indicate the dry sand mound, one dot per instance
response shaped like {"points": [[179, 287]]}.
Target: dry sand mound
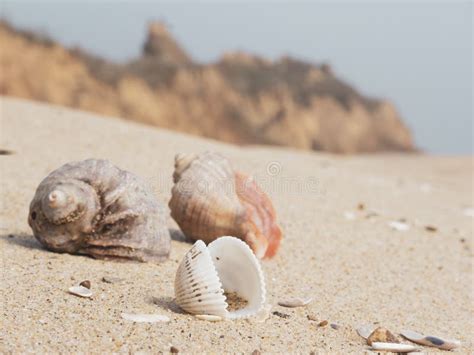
{"points": [[358, 270]]}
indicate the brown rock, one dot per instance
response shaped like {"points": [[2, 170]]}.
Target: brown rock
{"points": [[381, 335]]}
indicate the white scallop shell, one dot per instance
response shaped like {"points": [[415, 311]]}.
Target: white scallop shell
{"points": [[226, 264]]}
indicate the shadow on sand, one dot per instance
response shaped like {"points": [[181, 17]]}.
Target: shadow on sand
{"points": [[179, 236], [24, 240], [166, 303]]}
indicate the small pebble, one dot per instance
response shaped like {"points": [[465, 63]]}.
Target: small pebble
{"points": [[334, 326], [111, 279], [86, 284], [323, 323], [282, 315], [174, 350], [371, 214], [256, 352], [312, 317], [360, 206], [431, 228]]}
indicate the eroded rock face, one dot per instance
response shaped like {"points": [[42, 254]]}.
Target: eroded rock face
{"points": [[241, 99]]}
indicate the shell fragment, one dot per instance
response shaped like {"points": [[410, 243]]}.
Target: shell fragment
{"points": [[365, 331], [295, 302], [208, 317], [399, 226], [394, 347], [145, 318], [430, 340], [80, 291]]}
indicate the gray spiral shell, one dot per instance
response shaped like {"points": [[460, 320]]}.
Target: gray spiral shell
{"points": [[92, 207]]}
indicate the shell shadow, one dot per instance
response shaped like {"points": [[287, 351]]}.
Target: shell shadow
{"points": [[166, 303], [24, 240], [6, 152], [178, 236]]}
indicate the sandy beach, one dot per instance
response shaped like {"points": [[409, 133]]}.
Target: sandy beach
{"points": [[338, 247]]}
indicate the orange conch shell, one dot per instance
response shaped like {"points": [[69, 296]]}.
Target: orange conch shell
{"points": [[210, 199]]}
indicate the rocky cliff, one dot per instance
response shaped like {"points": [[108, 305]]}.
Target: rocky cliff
{"points": [[242, 99]]}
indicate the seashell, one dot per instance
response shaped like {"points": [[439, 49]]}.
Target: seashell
{"points": [[394, 347], [80, 291], [430, 340], [225, 265], [145, 318], [399, 226], [209, 318], [92, 207], [210, 199], [365, 330], [295, 302], [381, 335]]}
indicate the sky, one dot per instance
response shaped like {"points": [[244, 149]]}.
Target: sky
{"points": [[417, 54]]}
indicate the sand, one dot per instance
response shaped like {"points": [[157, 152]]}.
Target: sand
{"points": [[357, 269]]}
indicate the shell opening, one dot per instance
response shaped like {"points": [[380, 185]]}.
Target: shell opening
{"points": [[226, 267], [240, 274]]}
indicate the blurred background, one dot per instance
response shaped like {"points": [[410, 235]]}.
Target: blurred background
{"points": [[344, 77]]}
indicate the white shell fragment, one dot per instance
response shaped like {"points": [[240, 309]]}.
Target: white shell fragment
{"points": [[350, 216], [468, 212], [399, 226], [225, 265], [365, 330], [430, 340], [208, 317], [295, 302], [80, 291], [394, 347], [145, 318]]}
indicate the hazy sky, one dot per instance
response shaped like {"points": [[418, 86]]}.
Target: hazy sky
{"points": [[416, 54]]}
